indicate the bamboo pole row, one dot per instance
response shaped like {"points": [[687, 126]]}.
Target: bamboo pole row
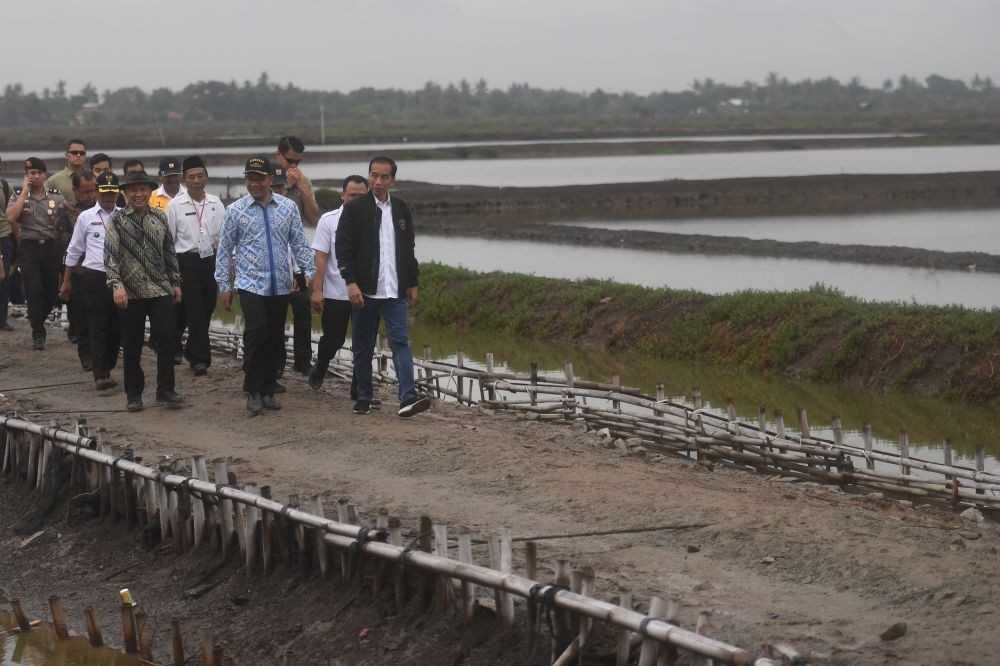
{"points": [[244, 522]]}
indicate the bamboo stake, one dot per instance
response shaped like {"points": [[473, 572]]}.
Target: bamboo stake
{"points": [[468, 589], [128, 629], [177, 643], [225, 507], [506, 567], [145, 639], [58, 618], [93, 627], [322, 554], [624, 646], [650, 648], [23, 623], [267, 535], [207, 651], [445, 592]]}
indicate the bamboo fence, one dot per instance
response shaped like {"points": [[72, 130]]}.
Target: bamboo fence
{"points": [[196, 511]]}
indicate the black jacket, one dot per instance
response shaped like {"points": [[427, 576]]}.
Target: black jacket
{"points": [[357, 244]]}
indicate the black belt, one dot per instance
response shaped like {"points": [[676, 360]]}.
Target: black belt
{"points": [[93, 270], [41, 241]]}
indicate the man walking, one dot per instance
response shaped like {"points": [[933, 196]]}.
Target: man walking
{"points": [[86, 251], [298, 300], [61, 181], [142, 272], [84, 198], [329, 293], [195, 220], [170, 186], [259, 228], [374, 249], [33, 219]]}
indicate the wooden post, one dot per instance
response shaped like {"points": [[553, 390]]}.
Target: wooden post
{"points": [[115, 475], [493, 545], [444, 588], [507, 567], [207, 649], [838, 430], [322, 552], [661, 393], [804, 424], [946, 445], [151, 495], [177, 642], [267, 535], [616, 381], [460, 359], [530, 560], [624, 646], [398, 580], [225, 507], [762, 421], [904, 452], [378, 580], [534, 382], [145, 638], [174, 518], [587, 590], [779, 424], [291, 659], [93, 627], [491, 391], [866, 434], [58, 618], [560, 619], [570, 382], [23, 623], [980, 465], [197, 507], [468, 589], [128, 629], [426, 581], [696, 397], [162, 501], [343, 516], [34, 445], [650, 648]]}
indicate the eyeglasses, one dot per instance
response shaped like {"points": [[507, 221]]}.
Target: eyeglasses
{"points": [[290, 161], [78, 153]]}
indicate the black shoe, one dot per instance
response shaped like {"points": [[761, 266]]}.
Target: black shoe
{"points": [[414, 405], [270, 402], [105, 383], [254, 404], [178, 359], [280, 388], [200, 369], [134, 404], [38, 344], [316, 379], [169, 398], [6, 327], [362, 407]]}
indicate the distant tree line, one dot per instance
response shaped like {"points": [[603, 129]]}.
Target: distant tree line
{"points": [[264, 101]]}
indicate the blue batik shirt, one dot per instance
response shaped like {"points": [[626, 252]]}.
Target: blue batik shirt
{"points": [[255, 240]]}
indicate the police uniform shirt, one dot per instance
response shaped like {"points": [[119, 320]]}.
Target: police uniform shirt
{"points": [[5, 229], [88, 239], [38, 218], [186, 219]]}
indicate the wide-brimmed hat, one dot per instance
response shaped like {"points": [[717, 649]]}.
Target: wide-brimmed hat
{"points": [[139, 178]]}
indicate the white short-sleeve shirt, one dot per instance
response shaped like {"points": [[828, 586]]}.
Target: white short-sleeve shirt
{"points": [[334, 286]]}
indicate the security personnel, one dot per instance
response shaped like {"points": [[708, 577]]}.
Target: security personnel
{"points": [[298, 300], [76, 158], [86, 254], [32, 217], [85, 197]]}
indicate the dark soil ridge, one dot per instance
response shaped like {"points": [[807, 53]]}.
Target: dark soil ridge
{"points": [[840, 193], [712, 245]]}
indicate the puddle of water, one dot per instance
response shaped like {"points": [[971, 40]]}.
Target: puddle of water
{"points": [[40, 647]]}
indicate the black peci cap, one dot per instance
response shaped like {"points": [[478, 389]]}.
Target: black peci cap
{"points": [[193, 162], [258, 164], [170, 166], [34, 163]]}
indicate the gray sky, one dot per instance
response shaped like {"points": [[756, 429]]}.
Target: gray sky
{"points": [[637, 45]]}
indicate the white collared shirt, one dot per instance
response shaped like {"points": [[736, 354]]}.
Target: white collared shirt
{"points": [[184, 224], [88, 239], [334, 286], [162, 192], [388, 281]]}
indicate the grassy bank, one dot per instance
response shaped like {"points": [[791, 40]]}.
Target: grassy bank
{"points": [[818, 334]]}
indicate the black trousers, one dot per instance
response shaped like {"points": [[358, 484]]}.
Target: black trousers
{"points": [[104, 321], [161, 330], [8, 248], [336, 317], [263, 340], [76, 310], [39, 264], [301, 330], [200, 293]]}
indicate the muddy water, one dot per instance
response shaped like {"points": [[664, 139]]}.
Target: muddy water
{"points": [[42, 648]]}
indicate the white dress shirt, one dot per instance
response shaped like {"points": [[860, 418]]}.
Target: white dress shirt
{"points": [[388, 281], [88, 239], [186, 219], [334, 286]]}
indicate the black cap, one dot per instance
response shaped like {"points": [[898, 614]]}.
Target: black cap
{"points": [[193, 162], [170, 166], [34, 163], [258, 164], [279, 175], [107, 182], [139, 178]]}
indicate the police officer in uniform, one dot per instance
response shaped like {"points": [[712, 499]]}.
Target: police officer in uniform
{"points": [[32, 217]]}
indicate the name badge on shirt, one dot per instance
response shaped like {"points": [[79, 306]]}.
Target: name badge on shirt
{"points": [[205, 248]]}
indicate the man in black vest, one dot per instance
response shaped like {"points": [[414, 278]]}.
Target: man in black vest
{"points": [[374, 248]]}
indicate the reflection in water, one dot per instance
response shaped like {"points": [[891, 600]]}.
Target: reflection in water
{"points": [[715, 274], [545, 172], [946, 230], [40, 647]]}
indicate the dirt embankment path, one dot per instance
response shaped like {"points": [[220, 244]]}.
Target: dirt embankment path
{"points": [[825, 571]]}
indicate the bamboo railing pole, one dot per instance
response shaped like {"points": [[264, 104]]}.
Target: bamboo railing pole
{"points": [[58, 618], [93, 627]]}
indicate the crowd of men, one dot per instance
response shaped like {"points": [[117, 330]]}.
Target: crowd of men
{"points": [[119, 251]]}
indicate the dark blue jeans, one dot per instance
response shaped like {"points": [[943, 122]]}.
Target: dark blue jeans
{"points": [[365, 323]]}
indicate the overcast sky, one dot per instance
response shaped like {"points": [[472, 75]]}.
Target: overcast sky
{"points": [[637, 45]]}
